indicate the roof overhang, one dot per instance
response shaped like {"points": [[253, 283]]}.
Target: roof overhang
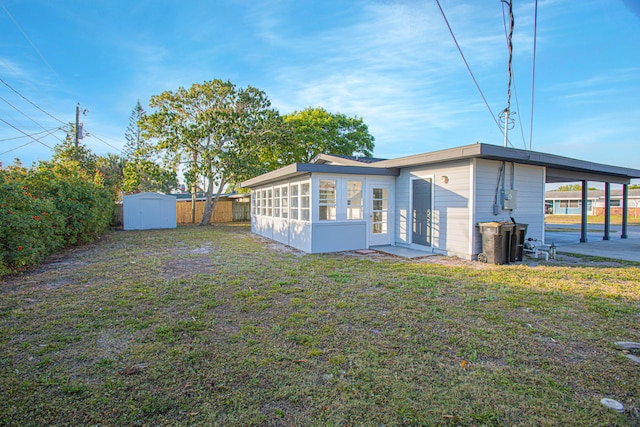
{"points": [[558, 168], [299, 169]]}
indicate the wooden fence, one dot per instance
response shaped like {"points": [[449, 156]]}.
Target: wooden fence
{"points": [[225, 211]]}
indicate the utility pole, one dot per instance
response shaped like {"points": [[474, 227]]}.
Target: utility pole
{"points": [[78, 131]]}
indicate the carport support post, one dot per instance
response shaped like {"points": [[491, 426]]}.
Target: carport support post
{"points": [[607, 210], [583, 222], [625, 209]]}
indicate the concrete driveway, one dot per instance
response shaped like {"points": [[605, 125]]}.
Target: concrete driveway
{"points": [[567, 239]]}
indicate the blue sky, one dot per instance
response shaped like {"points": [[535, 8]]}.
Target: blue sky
{"points": [[391, 62]]}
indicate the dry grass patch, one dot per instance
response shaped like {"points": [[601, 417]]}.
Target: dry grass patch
{"points": [[215, 326]]}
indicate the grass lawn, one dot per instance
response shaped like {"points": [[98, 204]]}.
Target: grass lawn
{"points": [[215, 326]]}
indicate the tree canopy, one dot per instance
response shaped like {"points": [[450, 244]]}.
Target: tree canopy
{"points": [[142, 171], [314, 131], [217, 131], [573, 187]]}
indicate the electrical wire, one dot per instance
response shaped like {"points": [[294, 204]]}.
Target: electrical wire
{"points": [[31, 142], [468, 67], [533, 71], [14, 149], [30, 102], [29, 40], [103, 141], [26, 115], [515, 88], [30, 135], [23, 132]]}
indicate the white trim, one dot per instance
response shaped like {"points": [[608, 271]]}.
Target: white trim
{"points": [[473, 168]]}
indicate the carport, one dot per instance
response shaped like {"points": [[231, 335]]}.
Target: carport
{"points": [[585, 172]]}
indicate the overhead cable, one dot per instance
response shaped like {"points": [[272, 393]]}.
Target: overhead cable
{"points": [[23, 132], [29, 40], [468, 67], [49, 131], [29, 101], [533, 71], [103, 141], [515, 88], [25, 114], [30, 142]]}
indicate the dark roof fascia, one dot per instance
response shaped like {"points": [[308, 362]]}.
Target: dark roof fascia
{"points": [[494, 152], [297, 169], [345, 160]]}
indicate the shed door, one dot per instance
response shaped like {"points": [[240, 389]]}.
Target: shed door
{"points": [[380, 212], [421, 212]]}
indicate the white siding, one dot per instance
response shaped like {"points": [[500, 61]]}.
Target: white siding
{"points": [[451, 210], [292, 232], [316, 236], [528, 181]]}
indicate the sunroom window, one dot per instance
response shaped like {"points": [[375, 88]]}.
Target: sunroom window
{"points": [[305, 202], [285, 202], [276, 202], [354, 200], [295, 203], [327, 200]]}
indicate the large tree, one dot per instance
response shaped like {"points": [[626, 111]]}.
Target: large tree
{"points": [[314, 131], [133, 133], [142, 171], [217, 131]]}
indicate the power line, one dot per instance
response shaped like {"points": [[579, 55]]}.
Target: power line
{"points": [[29, 101], [468, 67], [23, 132], [29, 40], [515, 88], [533, 72], [14, 149], [30, 135], [24, 114], [30, 142], [103, 141]]}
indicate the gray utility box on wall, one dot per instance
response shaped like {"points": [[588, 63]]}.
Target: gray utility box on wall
{"points": [[510, 199]]}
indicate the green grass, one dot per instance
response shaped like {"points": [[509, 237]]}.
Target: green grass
{"points": [[215, 326]]}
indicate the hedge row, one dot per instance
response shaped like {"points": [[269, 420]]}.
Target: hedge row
{"points": [[46, 208]]}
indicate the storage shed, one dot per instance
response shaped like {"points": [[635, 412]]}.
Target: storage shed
{"points": [[145, 211]]}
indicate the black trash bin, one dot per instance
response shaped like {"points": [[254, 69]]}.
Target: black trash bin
{"points": [[496, 242], [517, 242]]}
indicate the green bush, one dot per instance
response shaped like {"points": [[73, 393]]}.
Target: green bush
{"points": [[46, 208]]}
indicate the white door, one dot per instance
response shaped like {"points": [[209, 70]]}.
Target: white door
{"points": [[379, 215]]}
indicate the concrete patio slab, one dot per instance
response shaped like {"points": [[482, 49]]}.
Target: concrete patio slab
{"points": [[402, 251]]}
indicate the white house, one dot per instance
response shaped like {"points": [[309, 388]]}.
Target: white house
{"points": [[430, 202], [145, 211]]}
